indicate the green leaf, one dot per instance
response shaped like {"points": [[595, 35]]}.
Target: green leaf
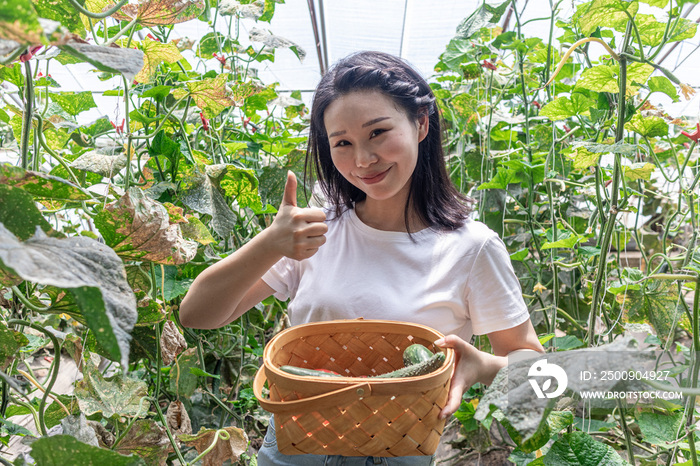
{"points": [[239, 183], [74, 103], [195, 230], [586, 154], [63, 12], [567, 342], [148, 440], [600, 78], [200, 193], [519, 255], [568, 240], [655, 303], [139, 228], [182, 381], [13, 74], [638, 171], [209, 94], [580, 449], [175, 285], [504, 177], [155, 53], [649, 126], [114, 396], [604, 13], [563, 107], [663, 84], [91, 271], [482, 17], [660, 428], [19, 214], [200, 373], [40, 184], [20, 22], [10, 343], [60, 450]]}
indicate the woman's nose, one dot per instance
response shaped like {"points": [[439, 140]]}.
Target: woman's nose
{"points": [[364, 157]]}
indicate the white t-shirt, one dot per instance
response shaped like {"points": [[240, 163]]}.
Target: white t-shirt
{"points": [[459, 282]]}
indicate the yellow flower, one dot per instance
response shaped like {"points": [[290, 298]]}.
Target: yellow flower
{"points": [[539, 288]]}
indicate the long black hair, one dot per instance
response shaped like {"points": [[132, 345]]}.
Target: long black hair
{"points": [[432, 195]]}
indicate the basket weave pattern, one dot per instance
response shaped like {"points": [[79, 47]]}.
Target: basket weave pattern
{"points": [[354, 416]]}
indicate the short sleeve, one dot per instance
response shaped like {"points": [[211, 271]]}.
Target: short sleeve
{"points": [[283, 277], [493, 292]]}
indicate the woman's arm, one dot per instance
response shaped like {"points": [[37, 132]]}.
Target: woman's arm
{"points": [[229, 288], [473, 365]]}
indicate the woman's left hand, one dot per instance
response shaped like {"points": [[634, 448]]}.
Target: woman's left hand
{"points": [[470, 367]]}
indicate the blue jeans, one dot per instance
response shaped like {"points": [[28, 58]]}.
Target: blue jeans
{"points": [[269, 455]]}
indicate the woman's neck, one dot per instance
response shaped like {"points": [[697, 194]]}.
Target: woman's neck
{"points": [[386, 217]]}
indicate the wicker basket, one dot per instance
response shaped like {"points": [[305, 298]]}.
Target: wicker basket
{"points": [[353, 416]]}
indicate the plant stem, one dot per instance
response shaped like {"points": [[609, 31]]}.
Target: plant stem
{"points": [[105, 14], [27, 115]]}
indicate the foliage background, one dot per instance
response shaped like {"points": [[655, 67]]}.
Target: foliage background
{"points": [[106, 224]]}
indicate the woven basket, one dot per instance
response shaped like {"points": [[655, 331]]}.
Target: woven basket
{"points": [[353, 416]]}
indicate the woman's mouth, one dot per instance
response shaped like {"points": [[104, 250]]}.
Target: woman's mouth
{"points": [[373, 178]]}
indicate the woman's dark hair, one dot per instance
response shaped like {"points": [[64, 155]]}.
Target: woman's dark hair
{"points": [[432, 194]]}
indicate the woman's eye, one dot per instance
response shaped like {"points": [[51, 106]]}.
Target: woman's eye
{"points": [[342, 143], [377, 132]]}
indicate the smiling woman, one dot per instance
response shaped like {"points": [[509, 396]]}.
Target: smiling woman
{"points": [[395, 241]]}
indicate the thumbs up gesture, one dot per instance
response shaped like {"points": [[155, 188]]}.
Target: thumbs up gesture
{"points": [[298, 232]]}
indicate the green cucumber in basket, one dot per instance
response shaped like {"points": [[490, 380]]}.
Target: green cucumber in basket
{"points": [[307, 372], [422, 368], [416, 353]]}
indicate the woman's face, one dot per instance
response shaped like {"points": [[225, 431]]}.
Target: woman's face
{"points": [[373, 143]]}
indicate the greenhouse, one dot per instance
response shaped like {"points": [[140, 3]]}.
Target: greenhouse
{"points": [[257, 232]]}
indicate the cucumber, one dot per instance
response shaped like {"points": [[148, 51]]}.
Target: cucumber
{"points": [[416, 353], [422, 368], [307, 372]]}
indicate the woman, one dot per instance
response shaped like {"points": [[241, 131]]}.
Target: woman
{"points": [[394, 243]]}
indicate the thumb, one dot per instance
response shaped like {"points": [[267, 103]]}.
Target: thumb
{"points": [[290, 190]]}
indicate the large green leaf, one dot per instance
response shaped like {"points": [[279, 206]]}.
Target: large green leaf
{"points": [[182, 381], [90, 271], [580, 449], [139, 228], [63, 12], [638, 171], [239, 183], [600, 78], [200, 193], [40, 184], [651, 31], [663, 84], [484, 16], [19, 214], [604, 13], [74, 103], [111, 396], [565, 107], [649, 126], [20, 22], [155, 53], [660, 428], [61, 450], [656, 303], [10, 343], [209, 94]]}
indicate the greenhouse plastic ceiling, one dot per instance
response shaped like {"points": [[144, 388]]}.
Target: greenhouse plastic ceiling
{"points": [[416, 30]]}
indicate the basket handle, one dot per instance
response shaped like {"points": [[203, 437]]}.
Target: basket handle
{"points": [[340, 397]]}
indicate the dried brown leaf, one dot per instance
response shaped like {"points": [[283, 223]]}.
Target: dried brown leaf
{"points": [[172, 342], [160, 12], [148, 440], [178, 419], [224, 450]]}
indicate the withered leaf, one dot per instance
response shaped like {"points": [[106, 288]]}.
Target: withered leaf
{"points": [[178, 419], [105, 165], [274, 42], [223, 450], [112, 396], [40, 184], [148, 440], [111, 59], [160, 12], [76, 426], [172, 342], [139, 228], [89, 270]]}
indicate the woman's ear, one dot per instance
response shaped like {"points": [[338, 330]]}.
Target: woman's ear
{"points": [[423, 125]]}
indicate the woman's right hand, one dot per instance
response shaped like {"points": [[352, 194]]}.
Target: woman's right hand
{"points": [[297, 232]]}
